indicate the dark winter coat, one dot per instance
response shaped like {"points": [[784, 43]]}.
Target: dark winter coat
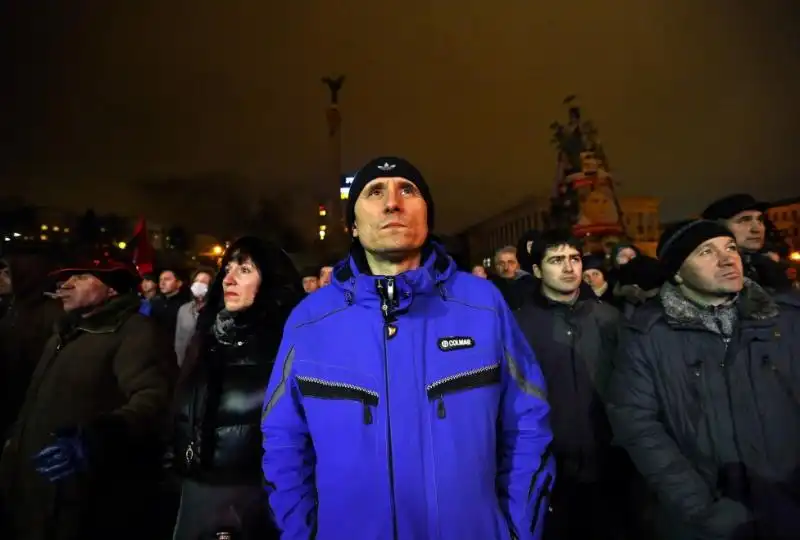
{"points": [[575, 346], [217, 437], [713, 422], [24, 329], [164, 311], [108, 374]]}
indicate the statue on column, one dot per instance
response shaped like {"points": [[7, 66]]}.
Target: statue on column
{"points": [[334, 118], [334, 85]]}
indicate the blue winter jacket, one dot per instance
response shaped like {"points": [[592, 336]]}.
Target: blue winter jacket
{"points": [[406, 408]]}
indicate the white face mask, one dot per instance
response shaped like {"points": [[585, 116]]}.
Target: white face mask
{"points": [[199, 289]]}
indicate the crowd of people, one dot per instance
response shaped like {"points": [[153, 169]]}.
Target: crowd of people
{"points": [[559, 394]]}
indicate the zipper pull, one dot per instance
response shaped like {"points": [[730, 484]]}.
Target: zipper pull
{"points": [[367, 414], [440, 410], [189, 454], [390, 289]]}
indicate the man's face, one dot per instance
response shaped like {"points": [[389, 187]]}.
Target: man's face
{"points": [[714, 268], [168, 283], [325, 274], [507, 264], [5, 281], [391, 217], [594, 278], [561, 269], [625, 255], [149, 288], [748, 228], [82, 291], [310, 283], [479, 271]]}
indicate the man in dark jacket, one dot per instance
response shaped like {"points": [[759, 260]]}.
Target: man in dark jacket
{"points": [[24, 328], [83, 457], [744, 216], [172, 295], [574, 336], [705, 394]]}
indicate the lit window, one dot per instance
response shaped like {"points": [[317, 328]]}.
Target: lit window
{"points": [[56, 228], [44, 227], [43, 237]]}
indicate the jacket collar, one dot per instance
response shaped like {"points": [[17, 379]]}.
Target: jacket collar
{"points": [[354, 278], [753, 304], [585, 296], [110, 316]]}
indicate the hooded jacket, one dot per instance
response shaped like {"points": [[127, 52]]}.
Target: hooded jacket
{"points": [[406, 407]]}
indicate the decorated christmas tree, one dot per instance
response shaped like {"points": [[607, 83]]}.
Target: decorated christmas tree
{"points": [[584, 199]]}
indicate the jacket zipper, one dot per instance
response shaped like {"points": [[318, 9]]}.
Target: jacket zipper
{"points": [[314, 387], [386, 292], [467, 380]]}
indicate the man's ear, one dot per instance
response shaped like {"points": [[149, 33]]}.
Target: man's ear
{"points": [[537, 271], [355, 231], [678, 279]]}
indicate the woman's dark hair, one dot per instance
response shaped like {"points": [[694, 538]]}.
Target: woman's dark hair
{"points": [[203, 270], [279, 292]]}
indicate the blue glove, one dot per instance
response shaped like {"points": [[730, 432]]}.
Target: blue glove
{"points": [[63, 458]]}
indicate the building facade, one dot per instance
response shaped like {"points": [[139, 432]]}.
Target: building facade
{"points": [[640, 216], [785, 214]]}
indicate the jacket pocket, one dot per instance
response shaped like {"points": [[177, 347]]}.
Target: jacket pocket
{"points": [[459, 382], [783, 381], [312, 387]]}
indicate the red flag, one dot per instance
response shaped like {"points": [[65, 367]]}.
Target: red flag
{"points": [[143, 253]]}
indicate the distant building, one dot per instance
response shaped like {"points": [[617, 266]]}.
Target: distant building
{"points": [[785, 214], [640, 217]]}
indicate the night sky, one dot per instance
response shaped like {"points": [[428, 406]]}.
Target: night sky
{"points": [[693, 98]]}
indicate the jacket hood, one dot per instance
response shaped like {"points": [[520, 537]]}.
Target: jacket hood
{"points": [[353, 277], [281, 285]]}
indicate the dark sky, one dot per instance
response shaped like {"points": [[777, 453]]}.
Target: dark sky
{"points": [[692, 97]]}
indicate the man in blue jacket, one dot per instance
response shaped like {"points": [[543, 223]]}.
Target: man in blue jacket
{"points": [[405, 404]]}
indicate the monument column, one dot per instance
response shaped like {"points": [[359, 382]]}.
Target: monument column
{"points": [[339, 237]]}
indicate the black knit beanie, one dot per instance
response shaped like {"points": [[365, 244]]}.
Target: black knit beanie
{"points": [[386, 167], [679, 240]]}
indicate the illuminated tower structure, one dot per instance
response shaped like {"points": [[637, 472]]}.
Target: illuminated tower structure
{"points": [[332, 230], [584, 199]]}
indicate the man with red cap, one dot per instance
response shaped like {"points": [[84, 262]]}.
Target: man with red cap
{"points": [[83, 457]]}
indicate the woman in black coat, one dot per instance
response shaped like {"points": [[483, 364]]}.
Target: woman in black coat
{"points": [[217, 437]]}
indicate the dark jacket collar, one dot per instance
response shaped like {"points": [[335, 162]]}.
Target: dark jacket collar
{"points": [[753, 304], [110, 316], [585, 296]]}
